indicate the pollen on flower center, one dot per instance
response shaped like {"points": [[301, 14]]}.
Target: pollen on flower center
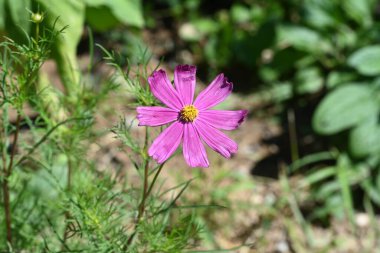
{"points": [[188, 113]]}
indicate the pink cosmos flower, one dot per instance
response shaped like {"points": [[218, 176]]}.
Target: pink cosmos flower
{"points": [[192, 121]]}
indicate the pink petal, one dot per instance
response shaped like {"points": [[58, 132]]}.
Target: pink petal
{"points": [[166, 143], [164, 91], [193, 149], [216, 92], [155, 115], [217, 140], [226, 120], [184, 80]]}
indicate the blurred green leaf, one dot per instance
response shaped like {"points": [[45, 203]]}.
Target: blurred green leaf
{"points": [[206, 25], [318, 176], [343, 168], [346, 37], [128, 12], [372, 191], [343, 108], [319, 13], [365, 139], [359, 10], [336, 78], [302, 38], [18, 12], [366, 60], [2, 14], [108, 19], [240, 13], [67, 14], [310, 159], [16, 19], [308, 80]]}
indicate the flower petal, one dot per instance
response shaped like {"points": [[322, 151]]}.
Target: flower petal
{"points": [[167, 142], [163, 90], [216, 139], [155, 115], [226, 120], [216, 92], [193, 148], [184, 80]]}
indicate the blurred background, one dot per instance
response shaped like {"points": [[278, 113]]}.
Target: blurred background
{"points": [[307, 174]]}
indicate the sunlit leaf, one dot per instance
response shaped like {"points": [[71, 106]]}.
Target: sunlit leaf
{"points": [[302, 38], [128, 12], [343, 108], [366, 60], [360, 11], [365, 139]]}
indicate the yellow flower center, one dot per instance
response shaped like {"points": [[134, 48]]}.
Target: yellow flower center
{"points": [[188, 113]]}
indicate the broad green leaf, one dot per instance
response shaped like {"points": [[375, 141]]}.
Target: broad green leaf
{"points": [[359, 10], [302, 38], [108, 19], [366, 60], [318, 15], [128, 12], [19, 13], [16, 18], [365, 139], [343, 108]]}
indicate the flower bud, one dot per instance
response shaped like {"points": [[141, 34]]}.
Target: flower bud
{"points": [[37, 18]]}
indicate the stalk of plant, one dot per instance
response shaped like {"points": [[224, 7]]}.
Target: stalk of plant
{"points": [[147, 188], [7, 173]]}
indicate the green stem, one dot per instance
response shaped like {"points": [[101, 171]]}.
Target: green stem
{"points": [[145, 191], [155, 178], [37, 32], [147, 188], [7, 174]]}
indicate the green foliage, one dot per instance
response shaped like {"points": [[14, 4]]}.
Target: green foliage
{"points": [[364, 139], [345, 107], [112, 13], [365, 60], [68, 13]]}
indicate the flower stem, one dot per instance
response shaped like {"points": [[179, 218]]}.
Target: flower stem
{"points": [[7, 174], [155, 178], [147, 189]]}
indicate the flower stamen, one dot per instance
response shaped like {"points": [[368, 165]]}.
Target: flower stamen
{"points": [[188, 113]]}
